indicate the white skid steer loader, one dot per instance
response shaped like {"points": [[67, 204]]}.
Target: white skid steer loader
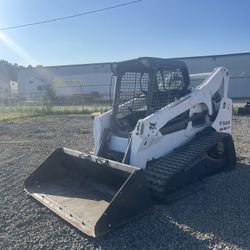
{"points": [[160, 138]]}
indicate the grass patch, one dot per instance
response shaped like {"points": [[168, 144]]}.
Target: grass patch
{"points": [[27, 111], [67, 110], [12, 116], [22, 112], [235, 110]]}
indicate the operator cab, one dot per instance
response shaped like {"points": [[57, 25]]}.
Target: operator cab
{"points": [[143, 86]]}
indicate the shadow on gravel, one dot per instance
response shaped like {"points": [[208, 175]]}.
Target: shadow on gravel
{"points": [[217, 215], [154, 231]]}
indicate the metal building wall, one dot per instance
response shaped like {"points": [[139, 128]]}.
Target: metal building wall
{"points": [[69, 80], [87, 78], [237, 64]]}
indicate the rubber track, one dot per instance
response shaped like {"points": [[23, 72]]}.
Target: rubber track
{"points": [[159, 171]]}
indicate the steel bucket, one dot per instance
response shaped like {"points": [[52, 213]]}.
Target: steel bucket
{"points": [[92, 193]]}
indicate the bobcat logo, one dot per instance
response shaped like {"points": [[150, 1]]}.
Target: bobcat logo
{"points": [[152, 125]]}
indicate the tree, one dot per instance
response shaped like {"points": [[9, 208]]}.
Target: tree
{"points": [[49, 98], [8, 71]]}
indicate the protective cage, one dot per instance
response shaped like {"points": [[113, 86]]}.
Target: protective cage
{"points": [[93, 194], [144, 86]]}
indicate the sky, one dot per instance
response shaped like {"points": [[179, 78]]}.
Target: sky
{"points": [[159, 28]]}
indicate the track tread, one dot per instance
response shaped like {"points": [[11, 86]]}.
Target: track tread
{"points": [[158, 172]]}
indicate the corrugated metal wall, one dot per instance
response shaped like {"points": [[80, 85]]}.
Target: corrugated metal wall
{"points": [[68, 80], [87, 78], [237, 64]]}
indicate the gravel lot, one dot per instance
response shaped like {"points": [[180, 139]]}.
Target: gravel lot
{"points": [[216, 216]]}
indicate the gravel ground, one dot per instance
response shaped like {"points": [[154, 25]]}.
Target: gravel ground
{"points": [[215, 216]]}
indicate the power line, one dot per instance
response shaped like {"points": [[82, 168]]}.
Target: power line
{"points": [[71, 16]]}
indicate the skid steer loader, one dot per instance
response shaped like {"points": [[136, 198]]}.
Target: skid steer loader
{"points": [[160, 138]]}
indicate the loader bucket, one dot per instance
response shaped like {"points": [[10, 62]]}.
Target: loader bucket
{"points": [[92, 193]]}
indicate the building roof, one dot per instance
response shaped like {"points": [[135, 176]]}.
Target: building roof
{"points": [[109, 63], [220, 55]]}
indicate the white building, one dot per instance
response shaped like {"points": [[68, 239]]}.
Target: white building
{"points": [[70, 80], [237, 64]]}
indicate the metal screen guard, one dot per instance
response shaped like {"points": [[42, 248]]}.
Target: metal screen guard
{"points": [[93, 194]]}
